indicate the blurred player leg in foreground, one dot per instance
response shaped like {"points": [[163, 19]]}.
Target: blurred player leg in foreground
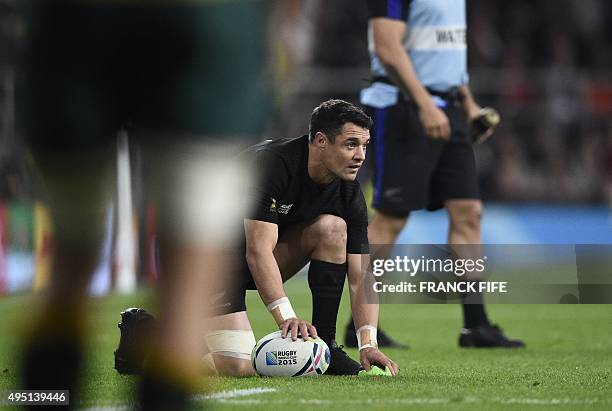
{"points": [[176, 72], [198, 195]]}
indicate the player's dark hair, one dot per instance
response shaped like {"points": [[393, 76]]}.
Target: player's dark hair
{"points": [[331, 115]]}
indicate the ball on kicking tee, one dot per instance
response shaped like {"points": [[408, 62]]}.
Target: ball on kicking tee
{"points": [[274, 356]]}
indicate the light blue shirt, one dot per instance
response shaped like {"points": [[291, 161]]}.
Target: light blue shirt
{"points": [[435, 40]]}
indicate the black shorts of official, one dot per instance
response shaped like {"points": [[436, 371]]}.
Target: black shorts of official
{"points": [[412, 171]]}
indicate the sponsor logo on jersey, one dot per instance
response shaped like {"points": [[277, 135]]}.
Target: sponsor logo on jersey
{"points": [[284, 208]]}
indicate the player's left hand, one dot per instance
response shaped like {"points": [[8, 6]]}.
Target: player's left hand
{"points": [[372, 356]]}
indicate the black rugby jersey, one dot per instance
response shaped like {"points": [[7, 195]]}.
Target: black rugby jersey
{"points": [[286, 195]]}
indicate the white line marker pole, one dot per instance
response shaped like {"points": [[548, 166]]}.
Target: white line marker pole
{"points": [[125, 248]]}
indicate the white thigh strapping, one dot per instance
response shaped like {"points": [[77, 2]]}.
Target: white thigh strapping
{"points": [[231, 343]]}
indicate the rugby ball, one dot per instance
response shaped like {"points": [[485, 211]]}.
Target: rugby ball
{"points": [[275, 356]]}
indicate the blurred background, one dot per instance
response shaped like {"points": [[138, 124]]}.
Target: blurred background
{"points": [[546, 175]]}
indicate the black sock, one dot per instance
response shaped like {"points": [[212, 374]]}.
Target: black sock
{"points": [[474, 314], [326, 282]]}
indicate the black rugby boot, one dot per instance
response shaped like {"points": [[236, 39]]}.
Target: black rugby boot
{"points": [[340, 363], [487, 336], [136, 329]]}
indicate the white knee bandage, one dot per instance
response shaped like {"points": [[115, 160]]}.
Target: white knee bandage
{"points": [[231, 343]]}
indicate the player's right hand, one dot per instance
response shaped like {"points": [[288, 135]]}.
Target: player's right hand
{"points": [[434, 122], [293, 325]]}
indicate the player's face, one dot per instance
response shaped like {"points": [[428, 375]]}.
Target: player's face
{"points": [[347, 154]]}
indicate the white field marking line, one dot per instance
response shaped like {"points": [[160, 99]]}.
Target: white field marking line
{"points": [[233, 397], [403, 401], [222, 395], [417, 401], [218, 396], [554, 401]]}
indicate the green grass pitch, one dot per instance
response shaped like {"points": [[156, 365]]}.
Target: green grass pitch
{"points": [[567, 364]]}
